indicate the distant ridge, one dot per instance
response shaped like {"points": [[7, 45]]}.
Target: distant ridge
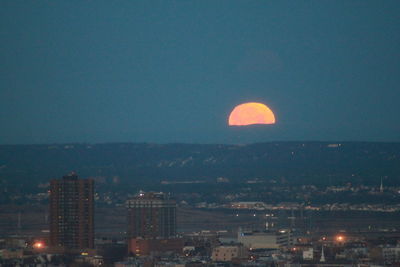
{"points": [[26, 166]]}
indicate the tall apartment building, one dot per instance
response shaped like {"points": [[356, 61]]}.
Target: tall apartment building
{"points": [[72, 212], [151, 215]]}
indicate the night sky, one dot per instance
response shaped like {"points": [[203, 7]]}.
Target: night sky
{"points": [[171, 71]]}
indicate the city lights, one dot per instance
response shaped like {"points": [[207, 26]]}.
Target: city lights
{"points": [[340, 238], [38, 245]]}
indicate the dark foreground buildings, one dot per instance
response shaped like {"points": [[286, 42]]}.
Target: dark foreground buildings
{"points": [[72, 213]]}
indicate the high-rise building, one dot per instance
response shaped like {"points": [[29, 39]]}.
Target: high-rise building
{"points": [[71, 212], [151, 215]]}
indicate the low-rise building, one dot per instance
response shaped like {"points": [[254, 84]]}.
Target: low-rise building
{"points": [[227, 253], [142, 247], [257, 240], [308, 254], [391, 254], [266, 239]]}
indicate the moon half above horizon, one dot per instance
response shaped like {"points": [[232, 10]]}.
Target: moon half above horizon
{"points": [[251, 113]]}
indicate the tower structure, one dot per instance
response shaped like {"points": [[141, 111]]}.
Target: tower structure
{"points": [[322, 259], [151, 215], [72, 212]]}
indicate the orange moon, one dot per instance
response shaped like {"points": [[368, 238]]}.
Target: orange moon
{"points": [[251, 113]]}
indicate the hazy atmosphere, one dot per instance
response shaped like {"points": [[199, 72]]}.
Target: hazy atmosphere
{"points": [[172, 71]]}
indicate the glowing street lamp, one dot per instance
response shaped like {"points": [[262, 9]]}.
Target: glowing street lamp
{"points": [[339, 238], [38, 245]]}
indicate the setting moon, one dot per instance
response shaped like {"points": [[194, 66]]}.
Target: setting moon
{"points": [[251, 113]]}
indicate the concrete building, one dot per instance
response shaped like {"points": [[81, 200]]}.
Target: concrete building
{"points": [[227, 253], [285, 238], [72, 212], [152, 224], [266, 239], [145, 247], [308, 254], [151, 215], [258, 240], [391, 254]]}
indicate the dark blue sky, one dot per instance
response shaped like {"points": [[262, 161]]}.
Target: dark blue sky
{"points": [[171, 71]]}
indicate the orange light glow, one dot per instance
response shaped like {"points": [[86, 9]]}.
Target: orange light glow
{"points": [[340, 238], [251, 113], [38, 245]]}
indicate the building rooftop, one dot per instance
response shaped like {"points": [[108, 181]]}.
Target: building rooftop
{"points": [[71, 176]]}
